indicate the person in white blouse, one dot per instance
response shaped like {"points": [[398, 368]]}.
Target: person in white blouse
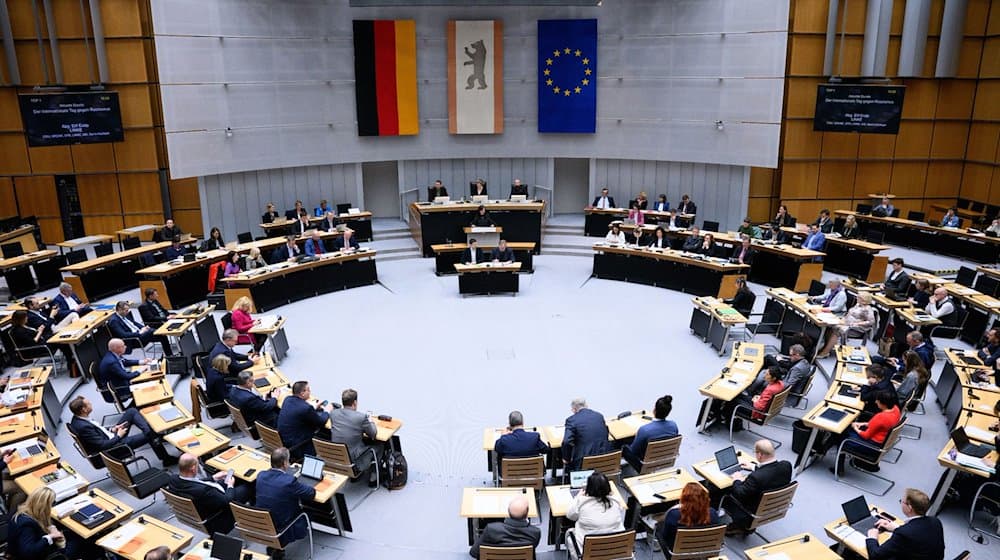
{"points": [[595, 510], [660, 240], [941, 306], [615, 236], [994, 227]]}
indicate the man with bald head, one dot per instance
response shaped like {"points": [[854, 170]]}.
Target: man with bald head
{"points": [[114, 369], [942, 307], [770, 474], [513, 531], [210, 494]]}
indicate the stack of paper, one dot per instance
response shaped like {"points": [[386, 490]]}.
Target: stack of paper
{"points": [[71, 506], [122, 536], [66, 487], [979, 433]]}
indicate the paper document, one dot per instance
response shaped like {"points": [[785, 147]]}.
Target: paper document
{"points": [[66, 487], [487, 502], [979, 433], [123, 535], [973, 462], [71, 506], [267, 320], [634, 421]]}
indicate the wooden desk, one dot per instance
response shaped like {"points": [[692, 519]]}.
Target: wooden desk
{"points": [[180, 282], [83, 241], [560, 498], [119, 510], [275, 380], [447, 255], [712, 319], [203, 551], [29, 377], [709, 469], [745, 362], [101, 277], [667, 483], [142, 534], [359, 222], [432, 224], [19, 466], [22, 425], [951, 468], [624, 429], [147, 393], [18, 272], [666, 268], [847, 537], [849, 354], [32, 403], [856, 258], [25, 235], [137, 231], [791, 311], [156, 422], [950, 241], [32, 481], [598, 220], [813, 420], [241, 460], [481, 505], [385, 429], [198, 440], [488, 278], [804, 546], [276, 339]]}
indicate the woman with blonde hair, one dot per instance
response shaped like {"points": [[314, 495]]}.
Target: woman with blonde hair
{"points": [[243, 322], [254, 260], [858, 323], [32, 534], [692, 511]]}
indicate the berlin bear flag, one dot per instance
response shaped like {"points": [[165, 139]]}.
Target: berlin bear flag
{"points": [[475, 77], [567, 75]]}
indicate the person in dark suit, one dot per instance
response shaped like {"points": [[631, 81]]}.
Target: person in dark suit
{"points": [[238, 362], [26, 337], [659, 428], [878, 382], [516, 188], [211, 494], [516, 442], [175, 250], [296, 212], [96, 438], [604, 200], [314, 245], [437, 190], [586, 434], [747, 490], [897, 279], [502, 253], [513, 531], [169, 231], [113, 370], [824, 222], [708, 246], [346, 242], [251, 405], [44, 316], [151, 310], [329, 223], [270, 214], [300, 226], [478, 188], [744, 299], [687, 206], [920, 538], [122, 325], [286, 252], [279, 492], [744, 252], [214, 241], [482, 218], [472, 255], [216, 387], [660, 240], [357, 431], [851, 229], [693, 243], [68, 302], [299, 421]]}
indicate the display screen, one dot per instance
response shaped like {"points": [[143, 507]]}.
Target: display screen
{"points": [[55, 119], [858, 108]]}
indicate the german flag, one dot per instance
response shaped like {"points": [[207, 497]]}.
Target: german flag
{"points": [[385, 77]]}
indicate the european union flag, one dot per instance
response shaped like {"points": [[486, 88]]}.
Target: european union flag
{"points": [[567, 75]]}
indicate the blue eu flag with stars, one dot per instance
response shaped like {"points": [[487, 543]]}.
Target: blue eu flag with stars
{"points": [[567, 75]]}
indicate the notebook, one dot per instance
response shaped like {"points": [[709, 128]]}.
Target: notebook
{"points": [[578, 480], [169, 413], [833, 415]]}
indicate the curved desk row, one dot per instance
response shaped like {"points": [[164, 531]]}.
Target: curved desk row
{"points": [[918, 235], [669, 269]]}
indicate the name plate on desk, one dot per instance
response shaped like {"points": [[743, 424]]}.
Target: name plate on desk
{"points": [[482, 229]]}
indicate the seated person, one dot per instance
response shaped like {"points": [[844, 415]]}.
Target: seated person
{"points": [[238, 362], [322, 209], [27, 337], [502, 253], [642, 200], [884, 208], [243, 322], [517, 188], [865, 439], [748, 489], [693, 242], [123, 325], [640, 239], [687, 206], [329, 222], [45, 317], [438, 189], [314, 245], [595, 511], [13, 496], [942, 307], [922, 296], [254, 259], [301, 226], [296, 212], [232, 264], [693, 510], [782, 218], [279, 492], [175, 250], [660, 240], [95, 438], [33, 534], [794, 370], [708, 246], [994, 227], [914, 341], [757, 401], [744, 298], [661, 204], [299, 420], [659, 428], [604, 201], [920, 537], [482, 218], [747, 228], [516, 442], [635, 214], [915, 380], [834, 299], [478, 188], [346, 242], [744, 252], [859, 322], [214, 241], [473, 254], [169, 231], [898, 280], [151, 310], [216, 388], [878, 382], [513, 531], [850, 229], [287, 252], [211, 494], [672, 221], [270, 214], [112, 370], [615, 236], [824, 222], [990, 351], [68, 302], [161, 552], [254, 407], [950, 219], [816, 240], [357, 431]]}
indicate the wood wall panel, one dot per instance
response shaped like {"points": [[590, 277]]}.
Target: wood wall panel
{"points": [[77, 68], [801, 140], [799, 179], [189, 221], [991, 64], [140, 193], [14, 154], [51, 159], [137, 152], [872, 177], [126, 60], [840, 145], [988, 100], [976, 181], [908, 178], [21, 22], [136, 105], [876, 145], [759, 209], [807, 55], [956, 99], [761, 182], [801, 98], [29, 63], [920, 100], [102, 224], [949, 139], [93, 157], [977, 16], [836, 179], [969, 57], [69, 22], [10, 113], [184, 193], [36, 195], [993, 28], [51, 229], [8, 204], [99, 194], [121, 18], [914, 139], [943, 178]]}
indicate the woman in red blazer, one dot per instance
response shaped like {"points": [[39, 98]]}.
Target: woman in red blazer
{"points": [[243, 322]]}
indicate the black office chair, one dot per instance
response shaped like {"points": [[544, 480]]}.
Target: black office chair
{"points": [[245, 237], [875, 236], [816, 288], [966, 276], [915, 216], [131, 242], [11, 250], [961, 223], [863, 208], [103, 249], [977, 206], [895, 213], [710, 226]]}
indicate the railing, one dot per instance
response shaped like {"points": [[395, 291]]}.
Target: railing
{"points": [[544, 194], [405, 199]]}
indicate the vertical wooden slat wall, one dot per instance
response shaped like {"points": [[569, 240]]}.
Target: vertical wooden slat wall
{"points": [[947, 146], [119, 183]]}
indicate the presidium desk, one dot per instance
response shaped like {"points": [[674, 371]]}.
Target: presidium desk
{"points": [[666, 268], [279, 284], [436, 224]]}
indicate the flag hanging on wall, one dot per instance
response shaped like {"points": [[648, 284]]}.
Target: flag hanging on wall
{"points": [[567, 75], [475, 77], [385, 77]]}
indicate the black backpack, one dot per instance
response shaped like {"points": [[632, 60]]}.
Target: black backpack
{"points": [[393, 469]]}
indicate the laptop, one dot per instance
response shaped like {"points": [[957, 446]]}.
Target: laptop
{"points": [[728, 461], [890, 293], [226, 548], [859, 515], [311, 472], [966, 447], [578, 481]]}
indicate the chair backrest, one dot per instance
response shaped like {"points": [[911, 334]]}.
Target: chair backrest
{"points": [[698, 542], [131, 242], [95, 459], [526, 472], [119, 473], [609, 546], [336, 456], [245, 237], [776, 404], [895, 213], [863, 208], [610, 464], [227, 320], [76, 256], [268, 436], [774, 505], [201, 365], [708, 225], [343, 208], [506, 553], [915, 216], [185, 511], [747, 309], [104, 249], [875, 236], [238, 418], [966, 276], [964, 555], [893, 437], [11, 250], [661, 454], [255, 525], [208, 333], [816, 288]]}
